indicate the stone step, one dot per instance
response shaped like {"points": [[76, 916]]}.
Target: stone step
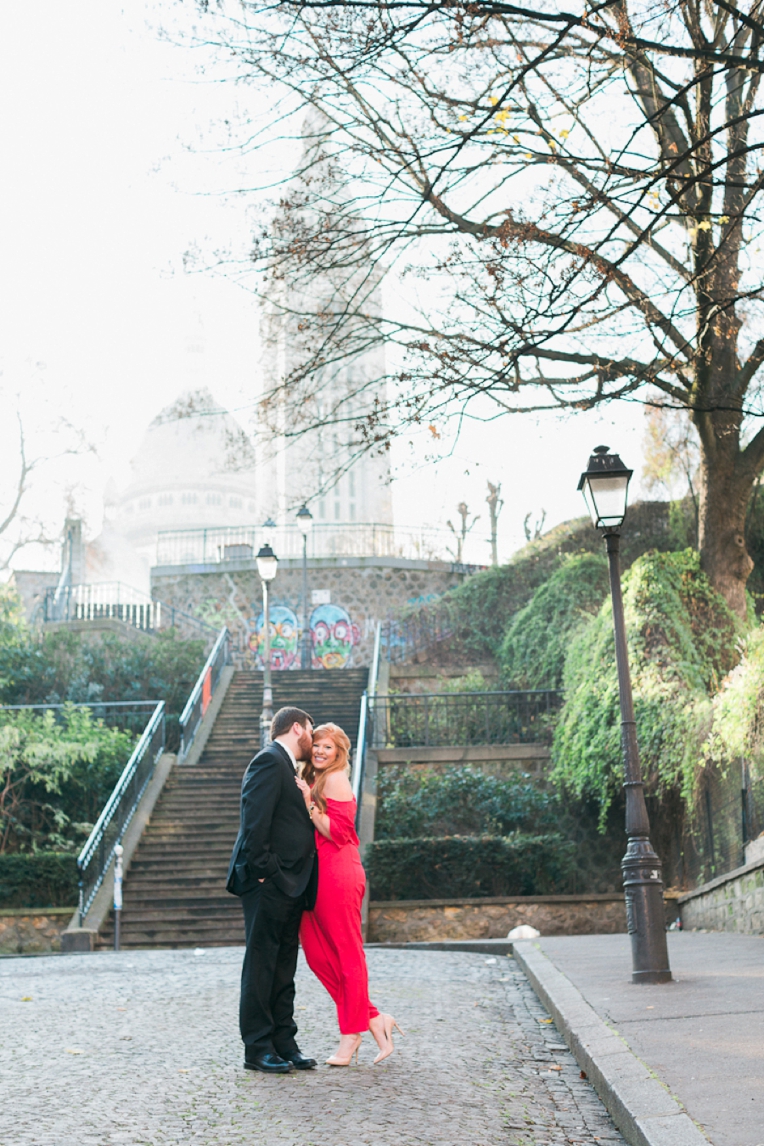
{"points": [[174, 893]]}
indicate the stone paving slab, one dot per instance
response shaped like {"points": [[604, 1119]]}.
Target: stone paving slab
{"points": [[701, 1035], [141, 1049]]}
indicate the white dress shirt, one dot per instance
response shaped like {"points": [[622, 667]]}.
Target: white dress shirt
{"points": [[288, 751]]}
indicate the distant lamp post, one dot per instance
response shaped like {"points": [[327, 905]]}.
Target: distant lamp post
{"points": [[267, 567], [605, 487], [305, 524]]}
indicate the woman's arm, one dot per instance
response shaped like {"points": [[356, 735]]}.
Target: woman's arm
{"points": [[319, 819]]}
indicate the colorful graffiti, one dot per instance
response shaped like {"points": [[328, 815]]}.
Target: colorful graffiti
{"points": [[285, 638], [332, 635]]}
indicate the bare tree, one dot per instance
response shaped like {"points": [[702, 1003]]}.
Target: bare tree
{"points": [[20, 528], [495, 506], [569, 204], [671, 458], [533, 532], [464, 528]]}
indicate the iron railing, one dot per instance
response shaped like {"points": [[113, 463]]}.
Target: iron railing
{"points": [[461, 719], [202, 692], [404, 637], [107, 600], [129, 715], [335, 539], [94, 859], [728, 814], [111, 600]]}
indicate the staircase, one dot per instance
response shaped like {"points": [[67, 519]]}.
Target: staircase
{"points": [[174, 891]]}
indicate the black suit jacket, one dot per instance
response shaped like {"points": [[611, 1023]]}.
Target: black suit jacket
{"points": [[275, 840]]}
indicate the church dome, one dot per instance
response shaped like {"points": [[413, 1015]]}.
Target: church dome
{"points": [[195, 468]]}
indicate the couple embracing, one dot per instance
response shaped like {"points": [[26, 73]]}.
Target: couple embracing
{"points": [[297, 870]]}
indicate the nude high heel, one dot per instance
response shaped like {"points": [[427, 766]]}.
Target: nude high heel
{"points": [[335, 1060], [388, 1022]]}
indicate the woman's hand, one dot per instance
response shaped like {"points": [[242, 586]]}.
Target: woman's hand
{"points": [[305, 789]]}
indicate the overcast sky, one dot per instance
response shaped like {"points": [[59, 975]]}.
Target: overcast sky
{"points": [[108, 178]]}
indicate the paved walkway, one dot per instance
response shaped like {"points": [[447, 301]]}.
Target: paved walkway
{"points": [[703, 1034], [141, 1048]]}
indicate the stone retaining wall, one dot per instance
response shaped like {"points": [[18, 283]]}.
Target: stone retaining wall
{"points": [[731, 902], [25, 931], [369, 589], [492, 759], [423, 920]]}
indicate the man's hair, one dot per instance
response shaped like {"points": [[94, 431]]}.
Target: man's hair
{"points": [[286, 717]]}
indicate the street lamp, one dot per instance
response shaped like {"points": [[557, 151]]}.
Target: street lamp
{"points": [[605, 486], [305, 524], [267, 567]]}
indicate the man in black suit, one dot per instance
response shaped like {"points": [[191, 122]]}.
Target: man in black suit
{"points": [[274, 870]]}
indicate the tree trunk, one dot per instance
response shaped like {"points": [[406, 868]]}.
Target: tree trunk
{"points": [[724, 496]]}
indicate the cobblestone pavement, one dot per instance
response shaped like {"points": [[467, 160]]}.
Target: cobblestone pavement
{"points": [[142, 1048]]}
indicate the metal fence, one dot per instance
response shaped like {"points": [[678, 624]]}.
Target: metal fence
{"points": [[441, 720], [111, 600], [129, 715], [94, 859], [404, 637], [728, 814], [203, 691], [335, 539]]}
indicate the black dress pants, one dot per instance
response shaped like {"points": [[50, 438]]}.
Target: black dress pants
{"points": [[266, 1010]]}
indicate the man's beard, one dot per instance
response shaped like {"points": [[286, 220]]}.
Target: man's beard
{"points": [[305, 746]]}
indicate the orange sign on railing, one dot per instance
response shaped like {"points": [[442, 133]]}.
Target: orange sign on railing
{"points": [[207, 689]]}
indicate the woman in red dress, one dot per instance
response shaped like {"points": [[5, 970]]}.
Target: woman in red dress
{"points": [[331, 933]]}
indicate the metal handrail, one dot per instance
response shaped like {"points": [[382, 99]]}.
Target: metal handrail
{"points": [[367, 707], [374, 670], [197, 703], [94, 859], [360, 754]]}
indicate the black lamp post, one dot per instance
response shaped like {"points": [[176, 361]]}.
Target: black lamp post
{"points": [[304, 524], [267, 567], [605, 486]]}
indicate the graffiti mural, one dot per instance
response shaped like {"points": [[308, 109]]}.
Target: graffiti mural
{"points": [[285, 638], [332, 635]]}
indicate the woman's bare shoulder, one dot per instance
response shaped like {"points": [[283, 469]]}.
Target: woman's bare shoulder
{"points": [[337, 787]]}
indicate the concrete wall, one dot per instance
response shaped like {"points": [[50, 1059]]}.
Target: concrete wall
{"points": [[731, 902], [26, 931], [368, 589], [424, 920], [423, 677], [493, 759]]}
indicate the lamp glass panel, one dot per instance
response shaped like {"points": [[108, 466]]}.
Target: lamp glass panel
{"points": [[589, 502], [608, 495], [304, 523], [266, 567]]}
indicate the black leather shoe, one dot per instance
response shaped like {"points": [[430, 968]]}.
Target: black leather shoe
{"points": [[299, 1061], [270, 1063]]}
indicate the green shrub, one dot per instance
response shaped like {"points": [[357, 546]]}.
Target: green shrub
{"points": [[63, 666], [45, 879], [55, 777], [683, 639], [461, 801], [533, 651], [480, 609], [466, 867]]}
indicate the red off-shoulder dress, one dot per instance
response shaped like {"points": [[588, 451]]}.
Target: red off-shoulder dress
{"points": [[331, 933]]}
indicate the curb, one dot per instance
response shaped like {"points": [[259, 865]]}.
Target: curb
{"points": [[476, 946], [641, 1108]]}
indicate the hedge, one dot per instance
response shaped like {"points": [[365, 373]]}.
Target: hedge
{"points": [[467, 867], [41, 879]]}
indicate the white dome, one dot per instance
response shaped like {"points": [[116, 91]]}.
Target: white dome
{"points": [[195, 468]]}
